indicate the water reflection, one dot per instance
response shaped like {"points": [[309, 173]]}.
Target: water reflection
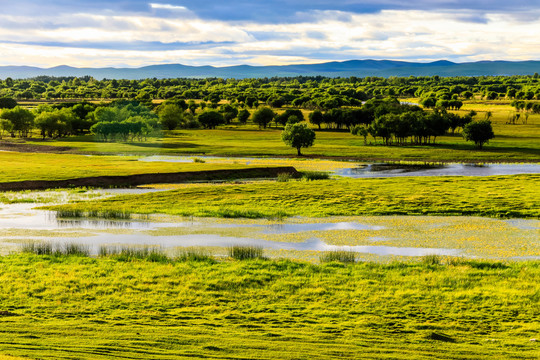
{"points": [[286, 228], [211, 240], [381, 169], [392, 170], [382, 236]]}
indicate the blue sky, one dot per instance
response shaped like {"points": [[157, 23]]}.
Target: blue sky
{"points": [[136, 33]]}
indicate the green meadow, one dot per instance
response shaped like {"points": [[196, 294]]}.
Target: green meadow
{"points": [[516, 196], [73, 307], [48, 166], [81, 307], [512, 142]]}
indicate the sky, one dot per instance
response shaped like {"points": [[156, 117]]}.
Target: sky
{"points": [[121, 33]]}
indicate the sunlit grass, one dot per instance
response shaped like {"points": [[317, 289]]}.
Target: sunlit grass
{"points": [[91, 308], [512, 142], [515, 196]]}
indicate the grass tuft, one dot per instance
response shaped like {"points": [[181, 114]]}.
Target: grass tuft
{"points": [[343, 256], [245, 252], [130, 253], [284, 177], [431, 259], [48, 248], [104, 214], [194, 254]]}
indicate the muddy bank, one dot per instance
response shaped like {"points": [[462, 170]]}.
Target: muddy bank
{"points": [[28, 148], [154, 178]]}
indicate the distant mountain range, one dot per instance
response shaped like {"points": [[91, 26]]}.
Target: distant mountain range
{"points": [[359, 68]]}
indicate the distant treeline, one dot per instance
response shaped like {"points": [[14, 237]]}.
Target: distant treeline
{"points": [[302, 92]]}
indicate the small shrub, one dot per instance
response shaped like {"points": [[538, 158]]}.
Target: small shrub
{"points": [[245, 252], [198, 160], [315, 175], [339, 256]]}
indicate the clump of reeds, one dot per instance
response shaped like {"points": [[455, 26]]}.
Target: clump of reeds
{"points": [[104, 214], [431, 259], [199, 160], [343, 256], [130, 253], [55, 249], [194, 254], [239, 252], [69, 213]]}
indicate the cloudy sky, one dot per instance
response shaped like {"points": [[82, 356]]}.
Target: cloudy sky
{"points": [[229, 32]]}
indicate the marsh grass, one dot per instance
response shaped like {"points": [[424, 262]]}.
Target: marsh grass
{"points": [[432, 259], [193, 254], [199, 160], [130, 253], [55, 249], [108, 214], [239, 252], [284, 177], [516, 197], [343, 256], [88, 309]]}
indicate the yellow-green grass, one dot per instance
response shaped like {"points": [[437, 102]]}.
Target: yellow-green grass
{"points": [[87, 308], [493, 196], [43, 166], [513, 143]]}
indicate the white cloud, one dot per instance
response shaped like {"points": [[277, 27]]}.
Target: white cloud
{"points": [[389, 34], [168, 7]]}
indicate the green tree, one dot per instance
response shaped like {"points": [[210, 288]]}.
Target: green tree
{"points": [[360, 130], [480, 132], [54, 123], [21, 120], [170, 116], [228, 111], [263, 117], [211, 119], [5, 125], [243, 116], [316, 118], [7, 103], [298, 136]]}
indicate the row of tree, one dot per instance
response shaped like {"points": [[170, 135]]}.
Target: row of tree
{"points": [[303, 92]]}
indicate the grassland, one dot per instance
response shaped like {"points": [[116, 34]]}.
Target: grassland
{"points": [[46, 166], [102, 308], [512, 143], [494, 196]]}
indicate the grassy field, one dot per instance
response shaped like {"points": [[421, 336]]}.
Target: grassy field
{"points": [[43, 166], [494, 196], [513, 143], [73, 307]]}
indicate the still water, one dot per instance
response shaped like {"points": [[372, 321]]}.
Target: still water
{"points": [[377, 235]]}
